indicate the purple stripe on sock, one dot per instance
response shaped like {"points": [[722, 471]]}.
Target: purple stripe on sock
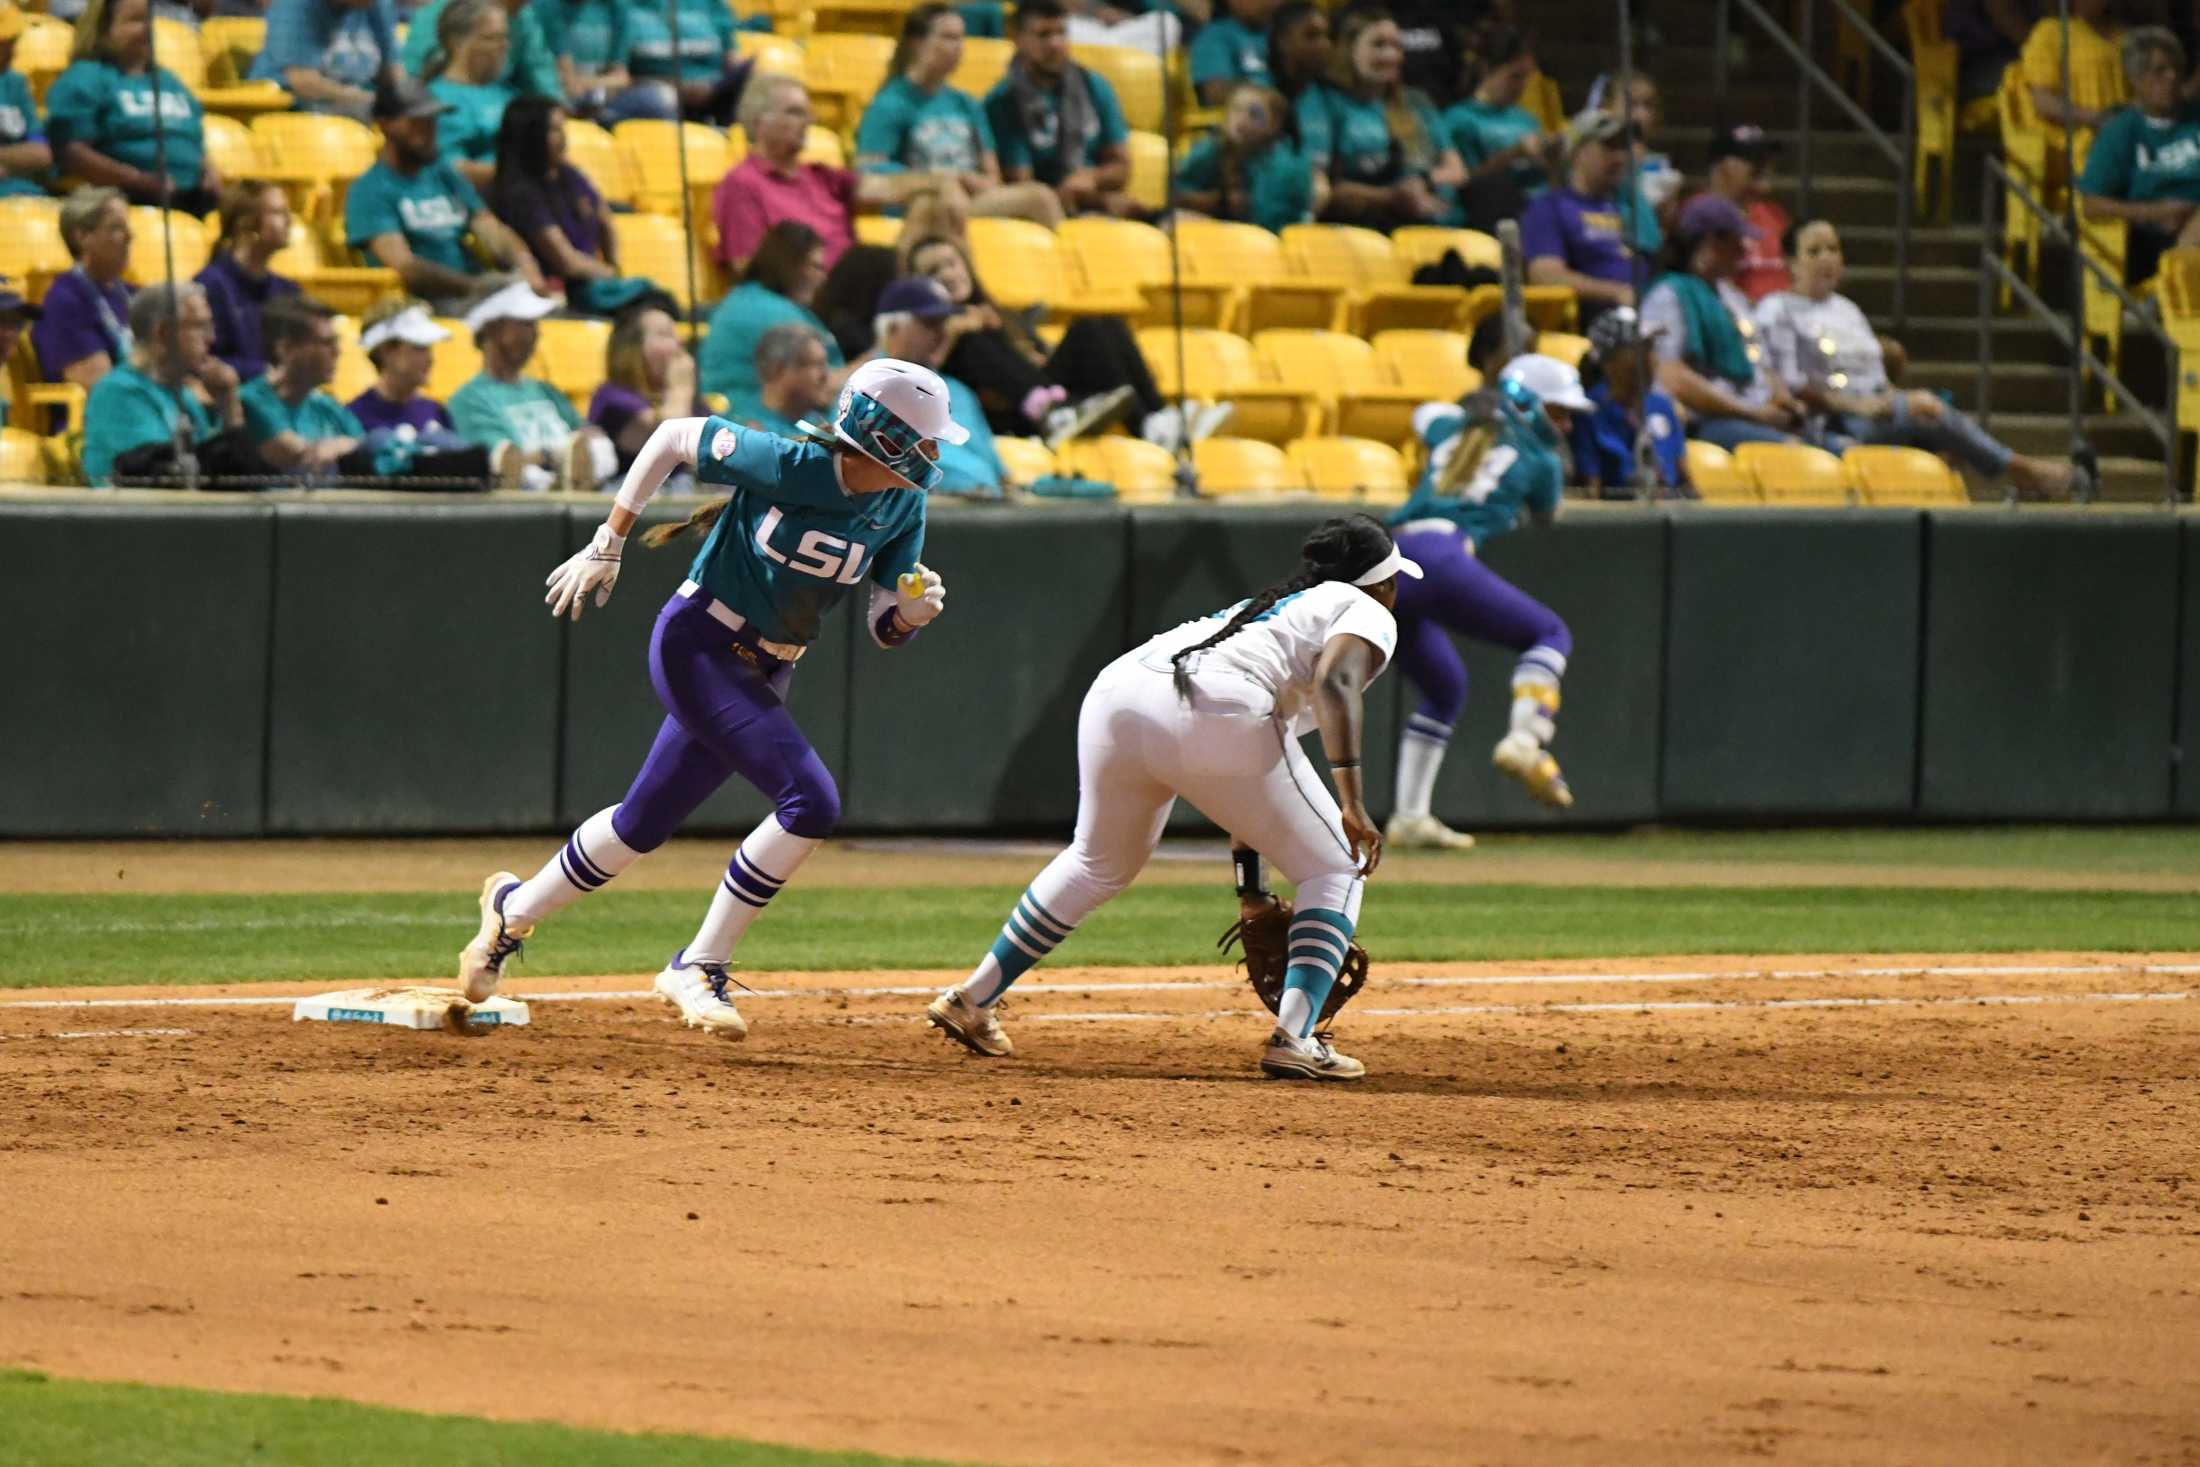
{"points": [[565, 864], [588, 868], [751, 869], [748, 886], [741, 895]]}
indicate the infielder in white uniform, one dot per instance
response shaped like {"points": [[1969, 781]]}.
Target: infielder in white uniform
{"points": [[1213, 711]]}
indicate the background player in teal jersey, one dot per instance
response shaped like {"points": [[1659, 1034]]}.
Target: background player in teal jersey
{"points": [[808, 520], [1491, 458]]}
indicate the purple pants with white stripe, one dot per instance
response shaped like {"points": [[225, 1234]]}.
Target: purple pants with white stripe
{"points": [[725, 715], [1458, 593]]}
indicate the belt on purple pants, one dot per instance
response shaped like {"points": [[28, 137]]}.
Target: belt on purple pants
{"points": [[745, 637]]}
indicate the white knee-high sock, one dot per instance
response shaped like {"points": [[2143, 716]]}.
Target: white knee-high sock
{"points": [[761, 865], [1536, 677], [1420, 756], [1060, 897], [590, 859]]}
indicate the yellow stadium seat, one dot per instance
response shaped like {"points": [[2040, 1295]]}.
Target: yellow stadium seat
{"points": [[22, 457], [1243, 466], [42, 51], [1136, 76], [1236, 278], [231, 44], [983, 66], [1351, 468], [1123, 258], [1149, 186], [354, 373], [1358, 399], [775, 54], [654, 248], [231, 148], [1027, 460], [880, 18], [597, 154], [1793, 473], [1427, 244], [845, 72], [1432, 363], [1563, 345], [1220, 367], [1933, 59], [178, 47], [2106, 242], [653, 162], [315, 157], [1023, 265], [1908, 477], [301, 256], [180, 51], [2179, 292], [149, 251], [569, 355], [1142, 472], [878, 229], [1542, 97], [31, 251], [1378, 292], [457, 361], [2024, 153], [823, 145], [1716, 477]]}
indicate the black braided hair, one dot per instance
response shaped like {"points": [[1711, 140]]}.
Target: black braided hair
{"points": [[1342, 549]]}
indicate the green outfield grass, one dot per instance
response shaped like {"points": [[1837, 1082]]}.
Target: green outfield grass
{"points": [[56, 1423], [207, 939], [2074, 850]]}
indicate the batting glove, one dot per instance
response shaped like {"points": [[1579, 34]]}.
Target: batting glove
{"points": [[593, 569], [919, 597]]}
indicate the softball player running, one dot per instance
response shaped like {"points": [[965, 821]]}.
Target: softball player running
{"points": [[807, 521], [1489, 459], [1213, 711]]}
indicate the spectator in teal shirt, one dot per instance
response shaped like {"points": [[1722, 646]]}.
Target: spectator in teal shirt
{"points": [[503, 407], [776, 290], [1232, 48], [919, 124], [794, 374], [472, 41], [1494, 134], [171, 380], [529, 66], [2145, 165], [701, 62], [24, 155], [1382, 146], [411, 212], [1058, 123], [102, 119], [593, 41], [328, 54], [1247, 170]]}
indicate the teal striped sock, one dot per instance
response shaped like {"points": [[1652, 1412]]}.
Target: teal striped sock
{"points": [[1030, 933], [1319, 940]]}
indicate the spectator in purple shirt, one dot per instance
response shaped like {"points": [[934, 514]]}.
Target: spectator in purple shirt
{"points": [[1576, 235], [399, 337], [557, 212], [85, 330], [649, 378], [255, 225]]}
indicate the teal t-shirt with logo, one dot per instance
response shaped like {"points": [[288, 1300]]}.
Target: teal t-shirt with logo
{"points": [[316, 417], [18, 124], [728, 361], [594, 33], [1228, 50], [707, 30], [945, 131], [113, 113], [127, 410], [1035, 143], [1278, 188], [1480, 132], [1349, 138], [469, 130], [2141, 159], [792, 543], [529, 412], [433, 210]]}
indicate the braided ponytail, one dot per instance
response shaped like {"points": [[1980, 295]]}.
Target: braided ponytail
{"points": [[1342, 549]]}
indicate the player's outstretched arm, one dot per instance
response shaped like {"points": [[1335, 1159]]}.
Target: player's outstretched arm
{"points": [[1348, 664], [596, 567]]}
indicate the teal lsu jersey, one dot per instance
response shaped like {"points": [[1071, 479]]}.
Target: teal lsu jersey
{"points": [[792, 543], [1520, 469]]}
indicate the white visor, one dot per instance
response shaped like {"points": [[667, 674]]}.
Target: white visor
{"points": [[1390, 565], [516, 302], [413, 324]]}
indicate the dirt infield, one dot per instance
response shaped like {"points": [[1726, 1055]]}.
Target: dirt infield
{"points": [[1835, 1210]]}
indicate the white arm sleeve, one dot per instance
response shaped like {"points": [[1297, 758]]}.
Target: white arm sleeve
{"points": [[677, 441]]}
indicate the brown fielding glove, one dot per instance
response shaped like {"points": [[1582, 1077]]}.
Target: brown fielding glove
{"points": [[1267, 938]]}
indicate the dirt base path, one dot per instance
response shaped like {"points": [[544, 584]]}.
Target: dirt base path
{"points": [[1684, 1211]]}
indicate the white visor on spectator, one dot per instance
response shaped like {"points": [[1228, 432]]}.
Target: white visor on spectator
{"points": [[516, 302], [413, 324], [1390, 565]]}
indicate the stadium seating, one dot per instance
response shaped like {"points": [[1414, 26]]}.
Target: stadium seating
{"points": [[771, 53], [1136, 76], [31, 250], [231, 43], [1427, 244], [1149, 185], [1351, 468], [1124, 258], [1909, 477], [354, 373], [569, 355], [1563, 345], [1027, 460], [231, 148], [844, 72], [42, 51], [822, 145], [149, 248], [1433, 364], [652, 149], [655, 248], [1229, 466], [1023, 265], [984, 64], [457, 362], [2106, 242], [1375, 282], [1236, 277], [22, 457], [1220, 367], [878, 229], [1794, 473], [597, 154], [1716, 477], [1357, 398], [179, 50], [315, 157], [1142, 472]]}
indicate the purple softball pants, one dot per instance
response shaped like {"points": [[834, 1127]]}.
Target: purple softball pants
{"points": [[1458, 593], [726, 714]]}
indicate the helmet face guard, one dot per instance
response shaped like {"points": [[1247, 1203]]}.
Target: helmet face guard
{"points": [[880, 434]]}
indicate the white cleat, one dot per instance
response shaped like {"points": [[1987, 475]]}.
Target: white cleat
{"points": [[481, 962], [1424, 833], [1519, 755], [1310, 1058], [698, 991], [976, 1027]]}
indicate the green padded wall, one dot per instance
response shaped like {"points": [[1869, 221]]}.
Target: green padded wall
{"points": [[1192, 562], [1605, 574], [137, 669], [415, 680], [2050, 649], [1791, 663], [2188, 671], [612, 712], [973, 725]]}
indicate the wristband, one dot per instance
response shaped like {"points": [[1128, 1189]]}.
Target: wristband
{"points": [[1246, 863], [609, 541]]}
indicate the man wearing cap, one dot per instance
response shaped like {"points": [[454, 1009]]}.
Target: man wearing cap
{"points": [[14, 311], [330, 54], [1740, 175], [500, 405], [1705, 334], [911, 326], [25, 154], [1575, 235], [411, 212]]}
